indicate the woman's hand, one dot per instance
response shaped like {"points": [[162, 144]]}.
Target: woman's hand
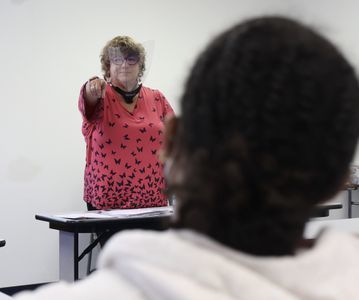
{"points": [[95, 90]]}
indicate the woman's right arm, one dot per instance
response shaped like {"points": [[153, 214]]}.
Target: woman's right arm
{"points": [[93, 91]]}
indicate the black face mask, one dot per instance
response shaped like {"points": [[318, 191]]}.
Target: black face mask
{"points": [[128, 96]]}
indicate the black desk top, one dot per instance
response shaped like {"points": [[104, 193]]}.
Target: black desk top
{"points": [[322, 210], [157, 222]]}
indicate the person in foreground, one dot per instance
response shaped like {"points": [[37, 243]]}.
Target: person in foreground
{"points": [[269, 125]]}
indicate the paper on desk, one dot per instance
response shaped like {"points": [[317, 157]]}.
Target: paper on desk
{"points": [[119, 213], [150, 211], [85, 215]]}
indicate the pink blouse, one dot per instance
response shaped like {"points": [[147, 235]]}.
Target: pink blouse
{"points": [[122, 168]]}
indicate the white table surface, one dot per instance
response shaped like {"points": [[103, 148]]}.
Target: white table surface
{"points": [[315, 226]]}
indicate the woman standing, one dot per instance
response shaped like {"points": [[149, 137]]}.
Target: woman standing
{"points": [[123, 130]]}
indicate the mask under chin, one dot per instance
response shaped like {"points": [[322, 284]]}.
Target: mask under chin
{"points": [[128, 96]]}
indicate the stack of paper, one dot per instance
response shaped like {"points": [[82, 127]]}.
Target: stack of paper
{"points": [[119, 213]]}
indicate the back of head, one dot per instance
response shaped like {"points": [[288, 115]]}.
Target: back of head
{"points": [[269, 125]]}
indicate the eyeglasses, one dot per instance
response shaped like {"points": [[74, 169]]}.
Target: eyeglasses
{"points": [[130, 59]]}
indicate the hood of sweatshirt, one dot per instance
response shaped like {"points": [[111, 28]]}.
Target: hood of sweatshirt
{"points": [[182, 264]]}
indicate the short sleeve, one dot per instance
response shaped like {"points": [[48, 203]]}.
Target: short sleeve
{"points": [[167, 109]]}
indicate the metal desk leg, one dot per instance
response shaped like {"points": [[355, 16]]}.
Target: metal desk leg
{"points": [[68, 256], [349, 203]]}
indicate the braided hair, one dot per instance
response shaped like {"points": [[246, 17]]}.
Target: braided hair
{"points": [[269, 125]]}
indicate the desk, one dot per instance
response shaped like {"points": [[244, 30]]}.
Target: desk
{"points": [[69, 230], [322, 210]]}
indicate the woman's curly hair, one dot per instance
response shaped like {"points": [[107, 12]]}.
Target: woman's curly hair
{"points": [[127, 45], [269, 125]]}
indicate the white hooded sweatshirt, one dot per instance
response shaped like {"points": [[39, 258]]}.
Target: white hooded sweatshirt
{"points": [[184, 265]]}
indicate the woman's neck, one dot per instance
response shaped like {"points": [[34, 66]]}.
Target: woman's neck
{"points": [[128, 87], [128, 97]]}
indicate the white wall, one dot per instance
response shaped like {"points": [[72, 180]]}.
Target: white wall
{"points": [[49, 48]]}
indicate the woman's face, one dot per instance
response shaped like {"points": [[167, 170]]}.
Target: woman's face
{"points": [[124, 70]]}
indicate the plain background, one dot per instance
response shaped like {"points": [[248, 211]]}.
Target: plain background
{"points": [[50, 48]]}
